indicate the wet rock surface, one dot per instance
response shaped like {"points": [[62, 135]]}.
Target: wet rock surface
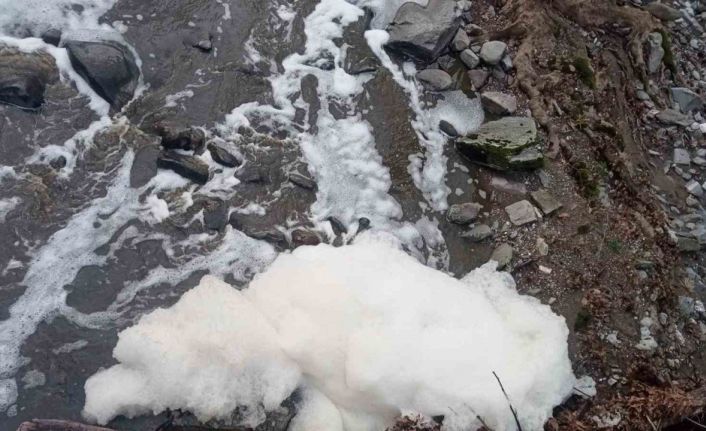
{"points": [[109, 68], [24, 77]]}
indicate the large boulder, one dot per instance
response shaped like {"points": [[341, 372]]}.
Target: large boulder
{"points": [[109, 68], [510, 143], [24, 77], [422, 33]]}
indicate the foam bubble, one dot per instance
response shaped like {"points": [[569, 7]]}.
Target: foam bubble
{"points": [[399, 337]]}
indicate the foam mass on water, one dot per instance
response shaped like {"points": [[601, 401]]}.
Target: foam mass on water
{"points": [[365, 329]]}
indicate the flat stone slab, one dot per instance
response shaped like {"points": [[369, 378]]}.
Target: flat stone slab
{"points": [[545, 201], [521, 213], [500, 144]]}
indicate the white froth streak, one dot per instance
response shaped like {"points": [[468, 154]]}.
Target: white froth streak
{"points": [[57, 263], [342, 156], [427, 171]]}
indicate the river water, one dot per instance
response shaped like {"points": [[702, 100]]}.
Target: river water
{"points": [[86, 252]]}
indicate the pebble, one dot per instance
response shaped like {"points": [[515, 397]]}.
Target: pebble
{"points": [[435, 79], [463, 213], [469, 58], [681, 156], [542, 247], [493, 51], [695, 188], [502, 255], [478, 233]]}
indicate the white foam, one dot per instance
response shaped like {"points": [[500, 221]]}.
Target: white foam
{"points": [[7, 205], [399, 337], [36, 16]]}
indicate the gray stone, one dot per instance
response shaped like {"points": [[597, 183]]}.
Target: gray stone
{"points": [[478, 233], [527, 159], [478, 78], [673, 118], [642, 95], [687, 306], [304, 237], [303, 181], [108, 67], [52, 36], [463, 213], [222, 156], [521, 213], [498, 103], [502, 255], [506, 63], [215, 215], [656, 52], [460, 41], [688, 100], [187, 166], [695, 188], [422, 33], [699, 161], [500, 144], [662, 11], [177, 137], [681, 156], [545, 201], [492, 52], [688, 244], [204, 45], [448, 128], [24, 77], [446, 62], [435, 79], [469, 58]]}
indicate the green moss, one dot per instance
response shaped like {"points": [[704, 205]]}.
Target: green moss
{"points": [[583, 318], [585, 71], [586, 180], [615, 245]]}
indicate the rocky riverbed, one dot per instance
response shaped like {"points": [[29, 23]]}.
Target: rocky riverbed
{"points": [[145, 144]]}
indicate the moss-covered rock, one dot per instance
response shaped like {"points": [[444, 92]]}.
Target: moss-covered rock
{"points": [[510, 143]]}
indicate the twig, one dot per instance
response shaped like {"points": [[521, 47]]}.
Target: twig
{"points": [[512, 409], [696, 423]]}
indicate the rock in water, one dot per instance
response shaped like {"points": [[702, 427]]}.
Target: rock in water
{"points": [[463, 213], [187, 166], [24, 77], [108, 67], [435, 79], [422, 33], [179, 137], [222, 156], [505, 144]]}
